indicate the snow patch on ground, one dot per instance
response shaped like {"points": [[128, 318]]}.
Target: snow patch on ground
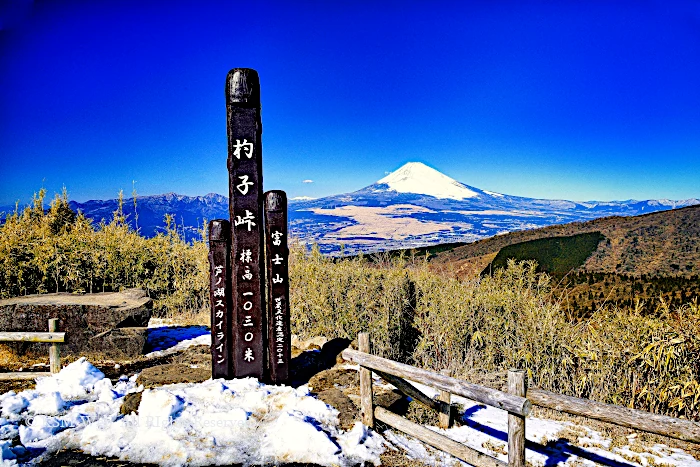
{"points": [[244, 421], [167, 337], [486, 430], [214, 422], [204, 339]]}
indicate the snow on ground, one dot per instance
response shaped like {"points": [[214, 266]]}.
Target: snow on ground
{"points": [[204, 339], [244, 421], [486, 430], [162, 322], [165, 339], [214, 422]]}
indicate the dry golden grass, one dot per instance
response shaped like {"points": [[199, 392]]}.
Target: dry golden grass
{"points": [[478, 327], [11, 360], [59, 250], [186, 317], [495, 448], [392, 458], [416, 313]]}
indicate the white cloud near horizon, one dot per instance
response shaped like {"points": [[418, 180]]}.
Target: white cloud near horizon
{"points": [[307, 181]]}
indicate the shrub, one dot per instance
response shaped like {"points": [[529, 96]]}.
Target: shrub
{"points": [[483, 326]]}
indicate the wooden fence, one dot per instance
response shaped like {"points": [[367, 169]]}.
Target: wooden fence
{"points": [[396, 373], [517, 401], [53, 337]]}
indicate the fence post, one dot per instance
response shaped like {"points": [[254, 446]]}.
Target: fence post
{"points": [[516, 423], [367, 406], [445, 415], [54, 350]]}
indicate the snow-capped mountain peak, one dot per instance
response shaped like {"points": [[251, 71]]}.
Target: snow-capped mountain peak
{"points": [[418, 178]]}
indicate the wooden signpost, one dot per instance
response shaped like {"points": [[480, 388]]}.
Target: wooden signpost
{"points": [[244, 127], [240, 321], [279, 346], [220, 298]]}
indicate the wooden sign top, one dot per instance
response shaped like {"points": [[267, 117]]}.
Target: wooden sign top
{"points": [[243, 87]]}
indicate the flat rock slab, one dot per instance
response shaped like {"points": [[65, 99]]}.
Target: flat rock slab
{"points": [[87, 319], [120, 342]]}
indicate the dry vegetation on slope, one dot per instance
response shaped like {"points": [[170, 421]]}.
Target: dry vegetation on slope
{"points": [[58, 250], [663, 243], [485, 325], [416, 312]]}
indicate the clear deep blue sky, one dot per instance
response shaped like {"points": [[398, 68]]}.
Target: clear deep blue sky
{"points": [[576, 100]]}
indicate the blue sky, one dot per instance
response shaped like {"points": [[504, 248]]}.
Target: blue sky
{"points": [[576, 100]]}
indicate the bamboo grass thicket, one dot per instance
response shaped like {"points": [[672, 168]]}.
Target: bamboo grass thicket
{"points": [[57, 250], [644, 359], [416, 313]]}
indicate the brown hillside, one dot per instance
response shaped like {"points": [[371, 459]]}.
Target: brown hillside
{"points": [[661, 243]]}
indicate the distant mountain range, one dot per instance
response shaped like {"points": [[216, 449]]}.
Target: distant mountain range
{"points": [[413, 206], [189, 212], [416, 206]]}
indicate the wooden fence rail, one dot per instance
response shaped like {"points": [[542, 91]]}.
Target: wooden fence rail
{"points": [[21, 336], [53, 337], [394, 372], [436, 440], [517, 401], [513, 404], [678, 428]]}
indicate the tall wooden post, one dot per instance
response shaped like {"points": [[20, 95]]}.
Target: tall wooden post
{"points": [[445, 415], [366, 395], [220, 298], [244, 127], [277, 252], [516, 423]]}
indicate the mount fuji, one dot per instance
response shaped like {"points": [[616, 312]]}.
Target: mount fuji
{"points": [[413, 206], [417, 205]]}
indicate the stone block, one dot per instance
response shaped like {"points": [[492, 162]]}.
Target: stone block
{"points": [[81, 316], [120, 342]]}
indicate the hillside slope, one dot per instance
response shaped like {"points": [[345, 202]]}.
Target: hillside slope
{"points": [[554, 255], [662, 243]]}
